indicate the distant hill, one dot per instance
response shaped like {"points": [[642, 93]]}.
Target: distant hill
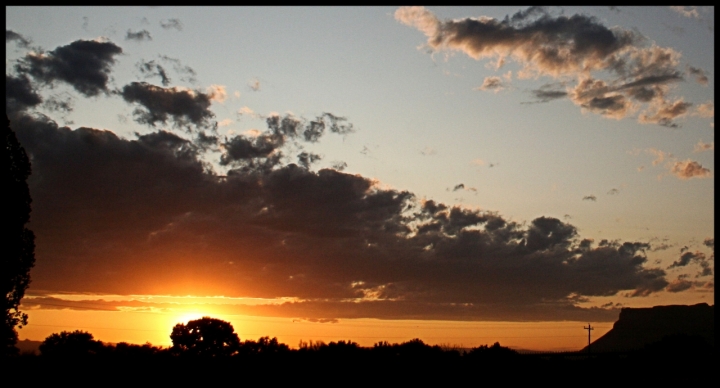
{"points": [[637, 328]]}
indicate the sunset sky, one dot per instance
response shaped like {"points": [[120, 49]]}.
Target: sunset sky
{"points": [[464, 175]]}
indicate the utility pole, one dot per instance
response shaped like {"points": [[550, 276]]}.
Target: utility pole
{"points": [[588, 328]]}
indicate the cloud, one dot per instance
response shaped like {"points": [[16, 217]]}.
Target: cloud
{"points": [[254, 84], [665, 112], [151, 68], [699, 74], [225, 123], [171, 23], [702, 147], [564, 47], [590, 198], [158, 105], [548, 95], [686, 258], [709, 242], [262, 151], [84, 64], [217, 93], [147, 216], [138, 36], [20, 94], [706, 110], [688, 169], [613, 191], [186, 72], [543, 44], [679, 285], [12, 36], [459, 187], [339, 165], [492, 83], [659, 155], [688, 11]]}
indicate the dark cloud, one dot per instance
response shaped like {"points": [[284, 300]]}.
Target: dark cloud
{"points": [[687, 258], [84, 64], [458, 187], [184, 107], [545, 44], [147, 215], [263, 152], [171, 23], [12, 36], [151, 69], [565, 47], [590, 198], [548, 95], [305, 159], [138, 36], [20, 94], [613, 191]]}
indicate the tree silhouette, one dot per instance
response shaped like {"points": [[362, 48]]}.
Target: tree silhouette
{"points": [[207, 336], [19, 247], [71, 344]]}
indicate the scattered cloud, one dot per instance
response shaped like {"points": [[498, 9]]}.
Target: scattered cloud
{"points": [[699, 74], [138, 36], [576, 47], [590, 198], [12, 36], [217, 93], [689, 11], [706, 110], [151, 69], [254, 85], [665, 112], [702, 146], [493, 84], [171, 24], [613, 191], [688, 169]]}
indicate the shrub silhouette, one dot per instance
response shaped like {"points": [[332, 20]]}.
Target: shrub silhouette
{"points": [[208, 337], [71, 344]]}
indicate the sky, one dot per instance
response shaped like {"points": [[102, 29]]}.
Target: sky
{"points": [[464, 175]]}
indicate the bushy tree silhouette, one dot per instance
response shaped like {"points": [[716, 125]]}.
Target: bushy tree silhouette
{"points": [[207, 336], [71, 344], [19, 247]]}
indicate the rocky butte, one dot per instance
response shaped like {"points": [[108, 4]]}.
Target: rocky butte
{"points": [[638, 328]]}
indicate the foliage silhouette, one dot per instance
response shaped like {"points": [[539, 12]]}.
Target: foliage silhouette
{"points": [[207, 337], [19, 255], [71, 344], [264, 345]]}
